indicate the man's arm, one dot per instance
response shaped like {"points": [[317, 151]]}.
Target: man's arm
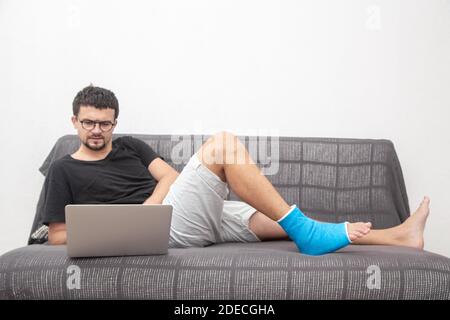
{"points": [[58, 195], [165, 175], [57, 233]]}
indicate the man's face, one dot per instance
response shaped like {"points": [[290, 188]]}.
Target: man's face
{"points": [[89, 124]]}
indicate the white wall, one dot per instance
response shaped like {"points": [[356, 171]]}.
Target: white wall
{"points": [[348, 68]]}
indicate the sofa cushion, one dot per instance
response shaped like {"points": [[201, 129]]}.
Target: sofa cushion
{"points": [[267, 270]]}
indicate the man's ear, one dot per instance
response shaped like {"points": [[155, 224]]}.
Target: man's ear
{"points": [[74, 122]]}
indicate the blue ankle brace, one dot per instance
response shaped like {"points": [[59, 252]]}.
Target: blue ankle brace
{"points": [[313, 237]]}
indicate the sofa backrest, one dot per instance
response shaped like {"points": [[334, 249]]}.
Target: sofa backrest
{"points": [[330, 179]]}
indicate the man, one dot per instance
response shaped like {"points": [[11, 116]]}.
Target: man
{"points": [[127, 170]]}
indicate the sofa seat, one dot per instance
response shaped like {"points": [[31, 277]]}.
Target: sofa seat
{"points": [[229, 271]]}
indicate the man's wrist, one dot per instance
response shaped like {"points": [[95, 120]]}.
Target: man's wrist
{"points": [[152, 200]]}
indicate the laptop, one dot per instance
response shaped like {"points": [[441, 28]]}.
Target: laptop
{"points": [[100, 230]]}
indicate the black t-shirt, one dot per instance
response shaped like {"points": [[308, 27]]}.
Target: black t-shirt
{"points": [[121, 178]]}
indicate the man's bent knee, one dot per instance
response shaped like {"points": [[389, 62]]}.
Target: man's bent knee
{"points": [[229, 149], [224, 148]]}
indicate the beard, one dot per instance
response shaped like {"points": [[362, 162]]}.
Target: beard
{"points": [[95, 145]]}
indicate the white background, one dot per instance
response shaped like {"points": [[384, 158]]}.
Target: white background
{"points": [[327, 68]]}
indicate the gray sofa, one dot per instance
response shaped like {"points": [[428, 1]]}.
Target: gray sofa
{"points": [[330, 179]]}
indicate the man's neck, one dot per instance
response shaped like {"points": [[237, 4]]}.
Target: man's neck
{"points": [[86, 154]]}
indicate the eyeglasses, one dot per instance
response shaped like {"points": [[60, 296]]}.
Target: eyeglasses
{"points": [[90, 125]]}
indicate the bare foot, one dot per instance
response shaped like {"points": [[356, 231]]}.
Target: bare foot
{"points": [[358, 229], [410, 232]]}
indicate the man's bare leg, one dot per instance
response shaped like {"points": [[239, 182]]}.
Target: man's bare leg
{"points": [[227, 157], [409, 233]]}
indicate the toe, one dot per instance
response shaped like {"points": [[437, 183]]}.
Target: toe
{"points": [[363, 228], [358, 234]]}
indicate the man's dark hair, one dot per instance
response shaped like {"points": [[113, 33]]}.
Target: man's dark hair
{"points": [[97, 97]]}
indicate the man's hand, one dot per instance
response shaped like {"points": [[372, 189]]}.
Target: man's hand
{"points": [[57, 233]]}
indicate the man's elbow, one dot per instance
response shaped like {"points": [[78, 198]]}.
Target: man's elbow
{"points": [[57, 238], [57, 234]]}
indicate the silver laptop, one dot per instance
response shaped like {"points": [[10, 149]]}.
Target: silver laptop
{"points": [[117, 229]]}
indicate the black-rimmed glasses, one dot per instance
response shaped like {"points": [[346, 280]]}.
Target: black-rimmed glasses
{"points": [[89, 125]]}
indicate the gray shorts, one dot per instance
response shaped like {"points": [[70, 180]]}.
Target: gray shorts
{"points": [[201, 216]]}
